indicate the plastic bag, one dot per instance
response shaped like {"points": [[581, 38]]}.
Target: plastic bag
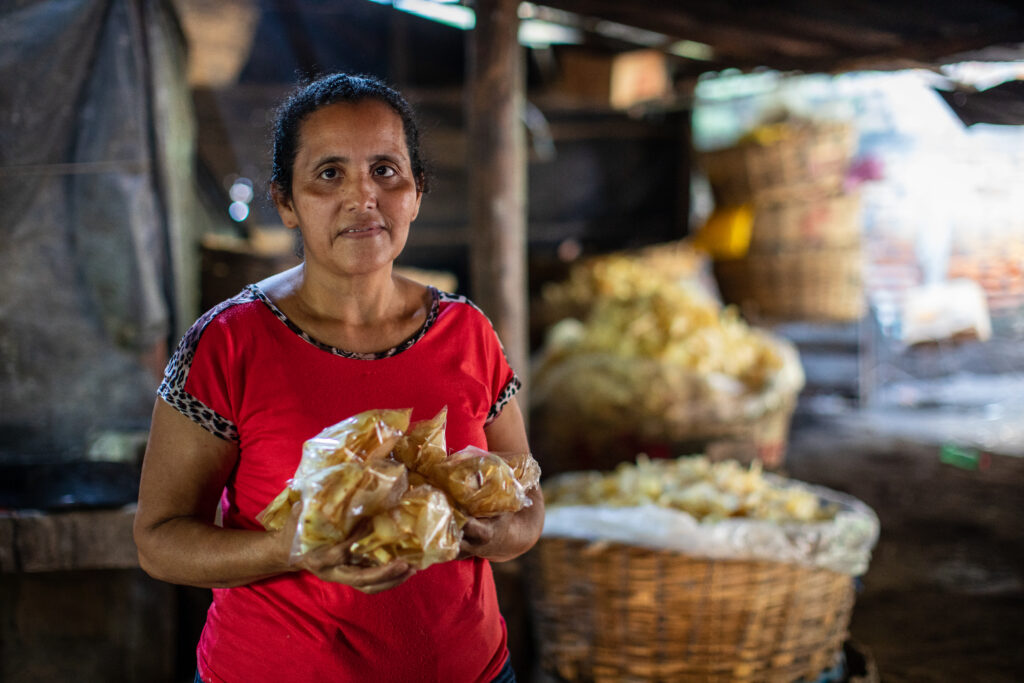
{"points": [[424, 446], [336, 499], [525, 468], [420, 530], [366, 436], [392, 492], [480, 482], [363, 437]]}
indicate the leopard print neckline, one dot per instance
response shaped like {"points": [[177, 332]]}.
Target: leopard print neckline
{"points": [[435, 299]]}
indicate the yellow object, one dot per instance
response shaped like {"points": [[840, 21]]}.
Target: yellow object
{"points": [[726, 234], [769, 133]]}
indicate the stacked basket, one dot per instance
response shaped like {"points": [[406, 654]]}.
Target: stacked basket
{"points": [[804, 256]]}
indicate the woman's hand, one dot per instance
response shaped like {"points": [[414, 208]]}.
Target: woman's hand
{"points": [[508, 535], [330, 563], [505, 536]]}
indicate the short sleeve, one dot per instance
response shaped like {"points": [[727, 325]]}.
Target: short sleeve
{"points": [[493, 366], [504, 381], [198, 379]]}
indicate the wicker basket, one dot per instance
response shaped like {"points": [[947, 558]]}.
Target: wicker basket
{"points": [[805, 284], [812, 160], [610, 612], [816, 221]]}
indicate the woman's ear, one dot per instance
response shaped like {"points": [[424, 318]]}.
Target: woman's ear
{"points": [[421, 186], [284, 205]]}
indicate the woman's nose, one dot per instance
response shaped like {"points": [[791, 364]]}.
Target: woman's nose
{"points": [[360, 194]]}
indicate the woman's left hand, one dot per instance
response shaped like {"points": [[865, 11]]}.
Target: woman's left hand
{"points": [[505, 536]]}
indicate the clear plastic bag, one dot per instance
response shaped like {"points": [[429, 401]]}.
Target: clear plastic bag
{"points": [[481, 483], [424, 445], [525, 468], [336, 499], [392, 492], [420, 530], [363, 437]]}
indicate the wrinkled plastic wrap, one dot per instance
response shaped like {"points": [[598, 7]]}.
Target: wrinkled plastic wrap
{"points": [[839, 534], [483, 484], [421, 530], [336, 499], [391, 491]]}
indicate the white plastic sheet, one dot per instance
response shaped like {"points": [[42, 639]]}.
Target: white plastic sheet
{"points": [[843, 544]]}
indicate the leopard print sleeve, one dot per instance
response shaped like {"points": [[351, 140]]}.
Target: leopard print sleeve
{"points": [[172, 388]]}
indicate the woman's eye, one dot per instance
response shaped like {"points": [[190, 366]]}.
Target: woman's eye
{"points": [[384, 171], [329, 173]]}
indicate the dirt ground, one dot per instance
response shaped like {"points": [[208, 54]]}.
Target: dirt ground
{"points": [[943, 599]]}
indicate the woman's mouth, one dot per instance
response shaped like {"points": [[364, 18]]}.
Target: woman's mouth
{"points": [[362, 230]]}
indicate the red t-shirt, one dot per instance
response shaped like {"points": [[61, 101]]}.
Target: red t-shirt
{"points": [[246, 373]]}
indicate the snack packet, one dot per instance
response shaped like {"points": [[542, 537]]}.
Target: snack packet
{"points": [[420, 530], [480, 482], [391, 491], [423, 446], [525, 468], [276, 514], [366, 436], [336, 499]]}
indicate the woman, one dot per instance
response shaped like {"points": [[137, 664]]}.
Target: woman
{"points": [[260, 373]]}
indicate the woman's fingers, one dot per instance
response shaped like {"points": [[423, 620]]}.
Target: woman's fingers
{"points": [[369, 579], [330, 563]]}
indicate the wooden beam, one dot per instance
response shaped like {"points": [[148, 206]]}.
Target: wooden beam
{"points": [[497, 175], [730, 40]]}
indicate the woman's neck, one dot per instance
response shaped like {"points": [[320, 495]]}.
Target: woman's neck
{"points": [[362, 314], [360, 300]]}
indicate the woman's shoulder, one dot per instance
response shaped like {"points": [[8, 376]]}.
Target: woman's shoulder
{"points": [[461, 304], [223, 316]]}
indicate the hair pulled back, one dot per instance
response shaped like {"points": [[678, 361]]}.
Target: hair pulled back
{"points": [[334, 89]]}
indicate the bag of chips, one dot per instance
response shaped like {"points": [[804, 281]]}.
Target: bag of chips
{"points": [[392, 492], [480, 482], [420, 530]]}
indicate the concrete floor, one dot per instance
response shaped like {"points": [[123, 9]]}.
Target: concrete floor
{"points": [[943, 599]]}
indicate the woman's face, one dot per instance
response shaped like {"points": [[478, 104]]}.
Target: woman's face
{"points": [[353, 191]]}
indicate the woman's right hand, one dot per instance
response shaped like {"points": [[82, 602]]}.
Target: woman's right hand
{"points": [[183, 475], [330, 563]]}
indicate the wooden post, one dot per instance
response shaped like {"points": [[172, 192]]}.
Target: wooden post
{"points": [[497, 176]]}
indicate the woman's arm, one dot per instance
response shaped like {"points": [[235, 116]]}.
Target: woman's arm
{"points": [[183, 475], [506, 536]]}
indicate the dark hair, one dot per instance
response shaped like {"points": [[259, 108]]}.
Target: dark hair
{"points": [[333, 89]]}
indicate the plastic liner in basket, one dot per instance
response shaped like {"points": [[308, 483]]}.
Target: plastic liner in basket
{"points": [[842, 544]]}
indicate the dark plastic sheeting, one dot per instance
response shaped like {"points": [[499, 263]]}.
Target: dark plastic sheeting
{"points": [[94, 206]]}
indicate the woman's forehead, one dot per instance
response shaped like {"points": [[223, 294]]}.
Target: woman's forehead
{"points": [[368, 125]]}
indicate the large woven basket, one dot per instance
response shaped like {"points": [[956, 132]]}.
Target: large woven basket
{"points": [[811, 160], [797, 284], [609, 612]]}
